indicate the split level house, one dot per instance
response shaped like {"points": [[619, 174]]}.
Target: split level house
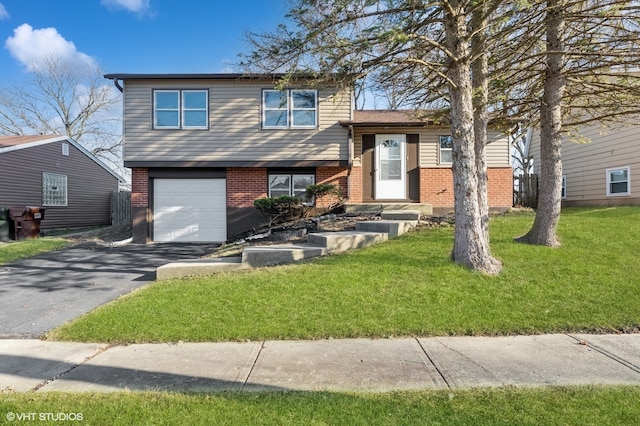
{"points": [[203, 147], [598, 170]]}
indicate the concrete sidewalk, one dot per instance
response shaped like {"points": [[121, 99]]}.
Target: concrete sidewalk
{"points": [[360, 365]]}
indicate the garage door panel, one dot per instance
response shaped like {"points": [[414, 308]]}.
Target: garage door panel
{"points": [[190, 210]]}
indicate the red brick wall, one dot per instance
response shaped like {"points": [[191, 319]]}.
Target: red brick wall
{"points": [[436, 187], [244, 185], [139, 187], [355, 185], [500, 187], [333, 175]]}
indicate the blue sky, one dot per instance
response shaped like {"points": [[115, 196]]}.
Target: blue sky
{"points": [[131, 36]]}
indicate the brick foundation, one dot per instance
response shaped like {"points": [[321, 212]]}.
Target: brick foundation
{"points": [[139, 187], [436, 187], [333, 175], [500, 187], [355, 185], [244, 185]]}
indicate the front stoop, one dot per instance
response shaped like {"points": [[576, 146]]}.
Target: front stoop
{"points": [[367, 233], [422, 208]]}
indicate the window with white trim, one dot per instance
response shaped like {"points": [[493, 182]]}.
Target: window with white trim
{"points": [[180, 109], [445, 149], [65, 149], [564, 187], [292, 108], [294, 185], [618, 181], [54, 189]]}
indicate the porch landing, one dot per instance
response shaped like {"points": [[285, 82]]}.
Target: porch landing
{"points": [[423, 208]]}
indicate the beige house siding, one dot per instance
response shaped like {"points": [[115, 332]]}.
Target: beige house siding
{"points": [[497, 150], [235, 133], [585, 165]]}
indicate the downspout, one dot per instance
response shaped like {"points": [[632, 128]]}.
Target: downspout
{"points": [[350, 142], [118, 86]]}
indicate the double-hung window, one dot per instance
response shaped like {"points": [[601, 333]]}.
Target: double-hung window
{"points": [[294, 185], [445, 149], [292, 108], [618, 181], [180, 109], [54, 189], [563, 193]]}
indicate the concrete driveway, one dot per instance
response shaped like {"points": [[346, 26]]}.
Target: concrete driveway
{"points": [[43, 292]]}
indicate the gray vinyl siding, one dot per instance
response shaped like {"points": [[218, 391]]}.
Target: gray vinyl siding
{"points": [[497, 150], [88, 185], [585, 164], [235, 132]]}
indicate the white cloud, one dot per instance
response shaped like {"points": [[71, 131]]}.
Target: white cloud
{"points": [[34, 47], [3, 12], [138, 6]]}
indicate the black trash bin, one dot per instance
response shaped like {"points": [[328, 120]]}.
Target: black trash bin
{"points": [[4, 224], [26, 221]]}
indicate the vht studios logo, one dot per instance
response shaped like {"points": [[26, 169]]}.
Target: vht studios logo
{"points": [[52, 417]]}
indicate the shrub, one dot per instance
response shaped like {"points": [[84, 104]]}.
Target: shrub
{"points": [[321, 190], [280, 208]]}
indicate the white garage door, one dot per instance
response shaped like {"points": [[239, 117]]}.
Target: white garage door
{"points": [[189, 210]]}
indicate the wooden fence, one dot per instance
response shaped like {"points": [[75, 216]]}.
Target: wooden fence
{"points": [[525, 192], [120, 208]]}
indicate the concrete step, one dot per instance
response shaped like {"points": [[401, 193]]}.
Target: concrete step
{"points": [[412, 215], [393, 228], [279, 254], [423, 208], [198, 267], [337, 242]]}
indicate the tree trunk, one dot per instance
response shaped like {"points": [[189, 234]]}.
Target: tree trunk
{"points": [[480, 82], [543, 231], [470, 246]]}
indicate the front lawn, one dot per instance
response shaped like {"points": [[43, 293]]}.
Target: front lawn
{"points": [[549, 406], [404, 287], [17, 250]]}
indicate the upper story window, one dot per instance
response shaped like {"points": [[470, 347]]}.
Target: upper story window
{"points": [[293, 108], [445, 149], [180, 109], [618, 181]]}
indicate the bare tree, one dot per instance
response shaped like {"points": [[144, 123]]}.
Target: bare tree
{"points": [[66, 99]]}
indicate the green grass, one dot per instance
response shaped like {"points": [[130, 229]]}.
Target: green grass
{"points": [[550, 406], [404, 287], [17, 250]]}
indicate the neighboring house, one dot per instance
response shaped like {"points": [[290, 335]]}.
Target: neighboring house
{"points": [[56, 173], [598, 171], [203, 147]]}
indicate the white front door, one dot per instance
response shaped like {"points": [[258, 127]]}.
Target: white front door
{"points": [[391, 167]]}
